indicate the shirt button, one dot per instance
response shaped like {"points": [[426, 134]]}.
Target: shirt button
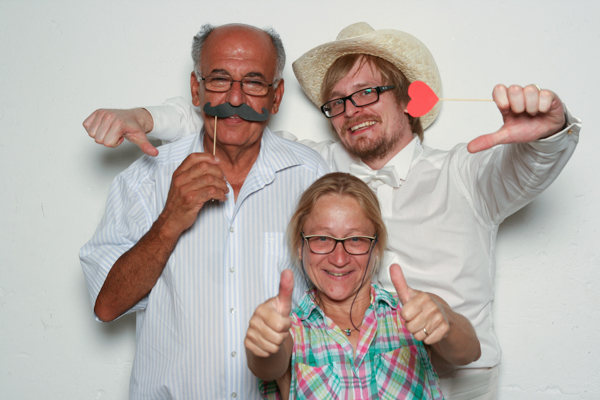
{"points": [[233, 354], [234, 395], [233, 310], [231, 229], [569, 131], [232, 270]]}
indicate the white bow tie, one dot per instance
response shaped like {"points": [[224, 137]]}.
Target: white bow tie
{"points": [[386, 175]]}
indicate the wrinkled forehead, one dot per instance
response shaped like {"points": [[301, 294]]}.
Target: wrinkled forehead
{"points": [[239, 48]]}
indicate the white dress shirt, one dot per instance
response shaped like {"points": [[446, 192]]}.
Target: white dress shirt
{"points": [[443, 216], [190, 328]]}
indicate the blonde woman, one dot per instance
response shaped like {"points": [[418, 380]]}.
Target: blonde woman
{"points": [[348, 338]]}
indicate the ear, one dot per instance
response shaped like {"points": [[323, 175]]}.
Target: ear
{"points": [[278, 95], [403, 106], [195, 86]]}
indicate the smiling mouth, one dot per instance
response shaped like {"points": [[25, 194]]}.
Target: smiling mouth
{"points": [[338, 274], [362, 125]]}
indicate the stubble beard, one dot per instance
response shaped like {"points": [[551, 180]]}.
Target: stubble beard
{"points": [[368, 149]]}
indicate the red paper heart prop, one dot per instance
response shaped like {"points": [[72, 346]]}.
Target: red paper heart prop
{"points": [[422, 99]]}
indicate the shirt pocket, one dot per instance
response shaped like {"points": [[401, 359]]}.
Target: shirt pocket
{"points": [[273, 253], [317, 382], [399, 374]]}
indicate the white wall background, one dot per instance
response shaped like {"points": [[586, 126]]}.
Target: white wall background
{"points": [[60, 60]]}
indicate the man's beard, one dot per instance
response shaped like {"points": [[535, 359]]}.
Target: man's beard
{"points": [[368, 149]]}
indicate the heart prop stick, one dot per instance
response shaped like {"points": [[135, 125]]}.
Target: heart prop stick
{"points": [[423, 99]]}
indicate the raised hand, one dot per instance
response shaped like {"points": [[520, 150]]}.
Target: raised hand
{"points": [[197, 180], [425, 318], [529, 114], [111, 127], [271, 322]]}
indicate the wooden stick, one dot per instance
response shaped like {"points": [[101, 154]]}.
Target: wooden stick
{"points": [[215, 138], [466, 100]]}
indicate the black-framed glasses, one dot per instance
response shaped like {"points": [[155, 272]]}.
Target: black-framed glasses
{"points": [[361, 98], [222, 83], [323, 244]]}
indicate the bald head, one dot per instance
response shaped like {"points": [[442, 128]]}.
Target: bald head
{"points": [[239, 35]]}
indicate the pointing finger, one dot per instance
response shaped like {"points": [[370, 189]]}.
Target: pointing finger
{"points": [[142, 141]]}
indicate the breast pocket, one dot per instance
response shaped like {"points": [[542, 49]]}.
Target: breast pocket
{"points": [[400, 373], [275, 253], [317, 382]]}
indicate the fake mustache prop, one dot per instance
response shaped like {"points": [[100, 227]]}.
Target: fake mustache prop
{"points": [[244, 111]]}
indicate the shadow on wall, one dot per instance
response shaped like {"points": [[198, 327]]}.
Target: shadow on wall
{"points": [[534, 213], [115, 161], [122, 326]]}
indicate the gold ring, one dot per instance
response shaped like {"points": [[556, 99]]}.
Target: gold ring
{"points": [[425, 332]]}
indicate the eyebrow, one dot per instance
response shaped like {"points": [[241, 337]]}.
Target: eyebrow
{"points": [[252, 74]]}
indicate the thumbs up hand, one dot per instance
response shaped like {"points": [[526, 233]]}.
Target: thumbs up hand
{"points": [[424, 315], [271, 322]]}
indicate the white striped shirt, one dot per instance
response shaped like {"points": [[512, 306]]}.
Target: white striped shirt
{"points": [[190, 328]]}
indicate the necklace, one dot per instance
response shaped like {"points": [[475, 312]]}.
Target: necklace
{"points": [[348, 331]]}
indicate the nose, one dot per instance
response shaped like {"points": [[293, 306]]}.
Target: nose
{"points": [[339, 256], [235, 95], [351, 109]]}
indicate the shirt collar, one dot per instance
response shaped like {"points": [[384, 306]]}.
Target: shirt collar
{"points": [[307, 304], [274, 155], [402, 161]]}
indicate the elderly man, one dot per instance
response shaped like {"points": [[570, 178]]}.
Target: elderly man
{"points": [[193, 242], [442, 208]]}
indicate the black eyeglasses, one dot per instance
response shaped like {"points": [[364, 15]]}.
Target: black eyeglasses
{"points": [[361, 98], [355, 245], [222, 83]]}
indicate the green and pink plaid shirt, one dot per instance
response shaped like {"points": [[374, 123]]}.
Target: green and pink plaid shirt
{"points": [[389, 364]]}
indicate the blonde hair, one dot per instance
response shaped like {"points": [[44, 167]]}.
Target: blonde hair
{"points": [[344, 185], [389, 72]]}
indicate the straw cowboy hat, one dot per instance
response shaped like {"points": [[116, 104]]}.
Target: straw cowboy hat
{"points": [[401, 49]]}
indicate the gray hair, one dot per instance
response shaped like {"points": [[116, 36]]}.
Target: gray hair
{"points": [[206, 30]]}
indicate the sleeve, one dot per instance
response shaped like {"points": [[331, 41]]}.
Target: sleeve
{"points": [[502, 180], [126, 220], [173, 120], [269, 390]]}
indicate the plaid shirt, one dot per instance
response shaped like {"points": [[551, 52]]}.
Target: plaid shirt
{"points": [[389, 364]]}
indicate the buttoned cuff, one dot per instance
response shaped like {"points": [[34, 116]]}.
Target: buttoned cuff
{"points": [[560, 140]]}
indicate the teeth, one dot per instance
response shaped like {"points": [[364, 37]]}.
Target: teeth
{"points": [[363, 125], [334, 274]]}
